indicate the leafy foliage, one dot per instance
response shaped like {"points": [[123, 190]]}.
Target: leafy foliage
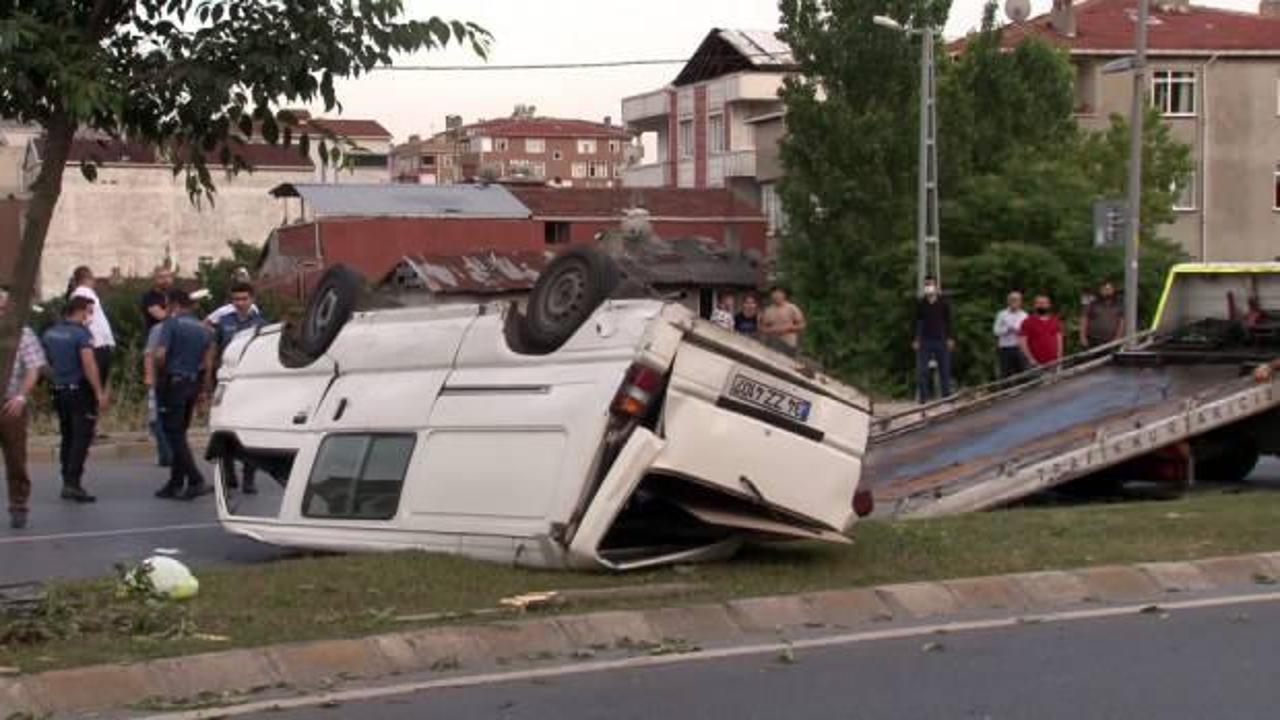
{"points": [[1018, 183]]}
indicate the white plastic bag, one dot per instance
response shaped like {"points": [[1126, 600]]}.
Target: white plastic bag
{"points": [[167, 577]]}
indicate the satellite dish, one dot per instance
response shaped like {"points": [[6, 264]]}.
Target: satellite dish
{"points": [[1017, 10]]}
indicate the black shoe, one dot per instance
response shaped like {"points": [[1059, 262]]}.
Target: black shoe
{"points": [[78, 494], [169, 492], [195, 491], [18, 519], [164, 463]]}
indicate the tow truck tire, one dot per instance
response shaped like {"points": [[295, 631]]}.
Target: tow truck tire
{"points": [[330, 306], [1233, 465], [565, 295]]}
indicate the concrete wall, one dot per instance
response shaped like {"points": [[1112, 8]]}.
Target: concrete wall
{"points": [[128, 218], [1235, 141]]}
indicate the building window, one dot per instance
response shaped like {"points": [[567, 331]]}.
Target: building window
{"points": [[535, 146], [557, 155], [771, 204], [598, 170], [579, 170], [500, 144], [358, 477], [617, 170], [1275, 202], [586, 147], [446, 161], [1184, 193], [715, 133], [615, 147], [684, 142], [1174, 92], [428, 160], [555, 233]]}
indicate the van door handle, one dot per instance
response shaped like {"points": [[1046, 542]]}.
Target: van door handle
{"points": [[300, 417], [342, 408]]}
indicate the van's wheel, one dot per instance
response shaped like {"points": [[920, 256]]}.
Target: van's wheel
{"points": [[336, 296], [567, 292]]}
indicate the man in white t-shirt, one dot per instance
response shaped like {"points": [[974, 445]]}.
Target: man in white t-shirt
{"points": [[104, 342], [1008, 323]]}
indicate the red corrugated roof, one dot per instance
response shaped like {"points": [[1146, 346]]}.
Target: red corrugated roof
{"points": [[673, 203], [545, 127], [1103, 25], [351, 128]]}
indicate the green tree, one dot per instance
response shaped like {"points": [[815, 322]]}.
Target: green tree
{"points": [[195, 78], [1019, 179]]}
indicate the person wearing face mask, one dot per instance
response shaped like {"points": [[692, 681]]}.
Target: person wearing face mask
{"points": [[1041, 334], [933, 341]]}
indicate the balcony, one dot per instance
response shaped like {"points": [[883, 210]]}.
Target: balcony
{"points": [[647, 111], [739, 163], [653, 175]]}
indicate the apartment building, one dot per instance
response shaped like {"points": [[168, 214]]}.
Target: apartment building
{"points": [[365, 143], [430, 161], [705, 122], [563, 152], [1214, 75]]}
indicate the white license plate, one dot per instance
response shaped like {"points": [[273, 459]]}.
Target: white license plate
{"points": [[765, 396]]}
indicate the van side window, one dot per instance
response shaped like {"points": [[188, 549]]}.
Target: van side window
{"points": [[358, 477]]}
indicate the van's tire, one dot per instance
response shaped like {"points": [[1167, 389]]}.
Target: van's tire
{"points": [[565, 295], [335, 298]]}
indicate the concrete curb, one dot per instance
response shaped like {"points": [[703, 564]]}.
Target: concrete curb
{"points": [[448, 648]]}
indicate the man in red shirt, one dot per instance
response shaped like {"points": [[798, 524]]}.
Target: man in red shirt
{"points": [[1041, 334]]}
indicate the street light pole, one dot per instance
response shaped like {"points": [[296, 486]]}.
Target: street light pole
{"points": [[1136, 122]]}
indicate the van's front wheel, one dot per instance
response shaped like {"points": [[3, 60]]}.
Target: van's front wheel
{"points": [[567, 292]]}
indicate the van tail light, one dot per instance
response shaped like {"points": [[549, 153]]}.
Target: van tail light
{"points": [[638, 392], [864, 503]]}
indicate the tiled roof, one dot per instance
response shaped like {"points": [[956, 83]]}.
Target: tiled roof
{"points": [[724, 52], [1108, 25], [545, 128], [675, 203], [351, 128], [110, 151]]}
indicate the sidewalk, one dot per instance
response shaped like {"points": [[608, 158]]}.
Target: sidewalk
{"points": [[227, 678]]}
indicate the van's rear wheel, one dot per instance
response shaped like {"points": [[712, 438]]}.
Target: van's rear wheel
{"points": [[567, 292], [335, 298], [1234, 464]]}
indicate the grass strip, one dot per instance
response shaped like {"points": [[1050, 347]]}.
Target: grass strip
{"points": [[347, 596]]}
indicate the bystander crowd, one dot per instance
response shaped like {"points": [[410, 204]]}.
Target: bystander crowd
{"points": [[1007, 326], [783, 322], [1103, 319], [933, 341], [1041, 333]]}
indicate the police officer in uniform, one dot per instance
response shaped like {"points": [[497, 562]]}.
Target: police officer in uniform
{"points": [[184, 361], [78, 392]]}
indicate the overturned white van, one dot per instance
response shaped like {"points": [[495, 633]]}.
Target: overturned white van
{"points": [[597, 431]]}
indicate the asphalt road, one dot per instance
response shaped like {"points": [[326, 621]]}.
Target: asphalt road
{"points": [[1203, 663], [65, 540]]}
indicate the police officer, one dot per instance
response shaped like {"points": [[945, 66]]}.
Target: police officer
{"points": [[185, 347], [244, 316], [78, 392]]}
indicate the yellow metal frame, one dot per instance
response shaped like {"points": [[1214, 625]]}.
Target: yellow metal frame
{"points": [[1221, 268]]}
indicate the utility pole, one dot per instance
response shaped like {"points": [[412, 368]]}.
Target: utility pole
{"points": [[1136, 122], [928, 226]]}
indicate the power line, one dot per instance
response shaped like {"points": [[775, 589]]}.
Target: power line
{"points": [[530, 66]]}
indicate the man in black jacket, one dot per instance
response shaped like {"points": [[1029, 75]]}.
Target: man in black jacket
{"points": [[933, 341]]}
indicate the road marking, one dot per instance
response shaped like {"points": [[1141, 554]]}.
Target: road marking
{"points": [[649, 661], [106, 533]]}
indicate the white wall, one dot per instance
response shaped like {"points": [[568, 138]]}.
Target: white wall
{"points": [[131, 214]]}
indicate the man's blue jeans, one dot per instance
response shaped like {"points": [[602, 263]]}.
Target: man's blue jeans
{"points": [[935, 350]]}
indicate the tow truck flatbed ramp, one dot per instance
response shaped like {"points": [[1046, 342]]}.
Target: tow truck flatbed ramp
{"points": [[992, 451]]}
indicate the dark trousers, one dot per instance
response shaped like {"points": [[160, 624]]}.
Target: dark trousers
{"points": [[1012, 362], [937, 351], [77, 420], [13, 442], [103, 356], [176, 402]]}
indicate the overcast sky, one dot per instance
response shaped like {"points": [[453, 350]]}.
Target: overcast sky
{"points": [[570, 31]]}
